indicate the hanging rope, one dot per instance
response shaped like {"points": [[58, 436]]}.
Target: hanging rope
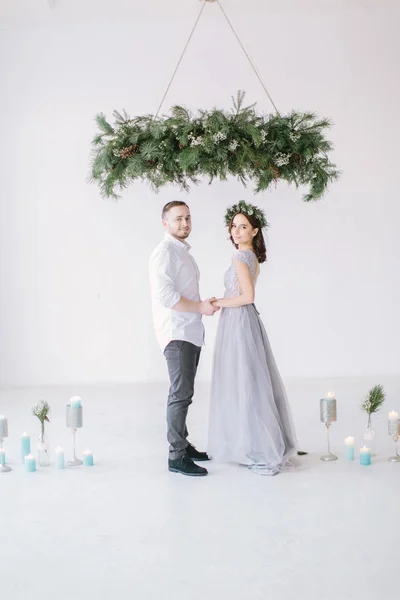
{"points": [[247, 56], [181, 57], [240, 44]]}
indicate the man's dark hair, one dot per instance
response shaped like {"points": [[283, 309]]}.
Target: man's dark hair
{"points": [[170, 205]]}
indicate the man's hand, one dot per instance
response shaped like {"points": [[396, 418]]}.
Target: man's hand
{"points": [[207, 308]]}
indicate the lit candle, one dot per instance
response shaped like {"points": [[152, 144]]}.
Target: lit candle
{"points": [[25, 445], [88, 458], [30, 463], [60, 464], [330, 395], [393, 422], [365, 456], [349, 448], [76, 402], [2, 456]]}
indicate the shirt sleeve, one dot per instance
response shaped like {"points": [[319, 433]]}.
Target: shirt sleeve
{"points": [[163, 273]]}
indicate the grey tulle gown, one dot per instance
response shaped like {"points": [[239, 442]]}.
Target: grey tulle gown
{"points": [[250, 421]]}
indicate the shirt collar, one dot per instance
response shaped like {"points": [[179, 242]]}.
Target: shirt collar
{"points": [[170, 238]]}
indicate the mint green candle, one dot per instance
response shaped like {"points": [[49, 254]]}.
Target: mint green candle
{"points": [[76, 402], [25, 445], [2, 457], [349, 448], [60, 463], [30, 463], [88, 459], [365, 456]]}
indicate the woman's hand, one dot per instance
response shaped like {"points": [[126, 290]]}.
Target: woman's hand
{"points": [[216, 302]]}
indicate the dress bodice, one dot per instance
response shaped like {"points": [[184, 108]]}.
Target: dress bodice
{"points": [[231, 280]]}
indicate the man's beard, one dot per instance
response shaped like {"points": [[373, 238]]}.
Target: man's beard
{"points": [[183, 234]]}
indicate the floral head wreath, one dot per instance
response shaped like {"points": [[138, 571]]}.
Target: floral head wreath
{"points": [[248, 210]]}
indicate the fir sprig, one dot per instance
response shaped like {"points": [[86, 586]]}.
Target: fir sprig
{"points": [[182, 148], [373, 400]]}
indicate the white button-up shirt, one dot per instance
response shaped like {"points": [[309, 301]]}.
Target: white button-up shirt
{"points": [[174, 273]]}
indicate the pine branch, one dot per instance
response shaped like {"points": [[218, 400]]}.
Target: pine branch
{"points": [[374, 400]]}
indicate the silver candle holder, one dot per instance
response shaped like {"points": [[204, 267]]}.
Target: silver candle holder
{"points": [[3, 434], [328, 415], [74, 418], [394, 431]]}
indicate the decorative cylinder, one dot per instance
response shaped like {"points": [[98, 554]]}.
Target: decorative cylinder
{"points": [[3, 427], [87, 459], [393, 423], [2, 456], [25, 445], [328, 412], [365, 456], [349, 448], [74, 417], [30, 463], [60, 463]]}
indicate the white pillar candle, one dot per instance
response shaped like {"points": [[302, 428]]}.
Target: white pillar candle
{"points": [[349, 441]]}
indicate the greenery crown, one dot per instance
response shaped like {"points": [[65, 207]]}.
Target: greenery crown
{"points": [[246, 209]]}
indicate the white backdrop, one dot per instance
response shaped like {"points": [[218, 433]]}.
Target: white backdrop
{"points": [[74, 283]]}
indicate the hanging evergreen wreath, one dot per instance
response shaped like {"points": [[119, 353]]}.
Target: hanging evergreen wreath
{"points": [[182, 148]]}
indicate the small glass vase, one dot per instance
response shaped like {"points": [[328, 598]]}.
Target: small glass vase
{"points": [[370, 436], [43, 456]]}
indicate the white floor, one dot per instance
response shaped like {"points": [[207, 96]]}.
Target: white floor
{"points": [[127, 528]]}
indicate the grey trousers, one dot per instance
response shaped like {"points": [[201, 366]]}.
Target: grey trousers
{"points": [[182, 360]]}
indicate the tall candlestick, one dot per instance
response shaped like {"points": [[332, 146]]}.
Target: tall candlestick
{"points": [[4, 468], [3, 427]]}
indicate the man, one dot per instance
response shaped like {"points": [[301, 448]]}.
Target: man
{"points": [[177, 316]]}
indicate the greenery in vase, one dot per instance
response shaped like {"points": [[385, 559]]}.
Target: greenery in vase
{"points": [[41, 411], [373, 401]]}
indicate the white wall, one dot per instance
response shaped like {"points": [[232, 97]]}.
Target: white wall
{"points": [[74, 287]]}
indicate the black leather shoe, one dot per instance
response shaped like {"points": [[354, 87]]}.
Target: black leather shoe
{"points": [[196, 455], [301, 453], [186, 466]]}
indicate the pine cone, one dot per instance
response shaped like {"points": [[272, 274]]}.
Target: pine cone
{"points": [[128, 151], [275, 171]]}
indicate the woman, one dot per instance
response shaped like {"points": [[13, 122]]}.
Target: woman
{"points": [[250, 421]]}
